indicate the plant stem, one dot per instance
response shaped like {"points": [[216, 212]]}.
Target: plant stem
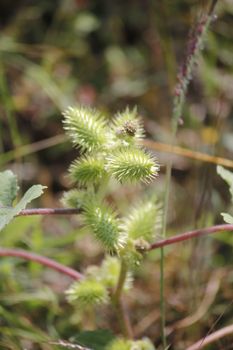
{"points": [[194, 47], [191, 234], [25, 150], [7, 103], [162, 301], [43, 261], [161, 147], [162, 243], [164, 226], [212, 338], [188, 153], [212, 6], [124, 320], [49, 211], [122, 314], [121, 281], [76, 275]]}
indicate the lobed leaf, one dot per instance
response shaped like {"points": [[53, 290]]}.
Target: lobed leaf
{"points": [[96, 340], [227, 176], [7, 214], [8, 188], [227, 218]]}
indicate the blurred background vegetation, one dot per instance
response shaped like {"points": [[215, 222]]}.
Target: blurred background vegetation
{"points": [[110, 54]]}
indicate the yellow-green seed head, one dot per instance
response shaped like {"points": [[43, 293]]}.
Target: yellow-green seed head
{"points": [[87, 293], [86, 128], [132, 165]]}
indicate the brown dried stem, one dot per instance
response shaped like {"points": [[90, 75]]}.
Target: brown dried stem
{"points": [[212, 338]]}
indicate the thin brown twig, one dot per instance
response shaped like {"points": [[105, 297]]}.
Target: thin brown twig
{"points": [[32, 148], [209, 296], [212, 6], [216, 322], [145, 323], [211, 338], [188, 153], [158, 146], [52, 264]]}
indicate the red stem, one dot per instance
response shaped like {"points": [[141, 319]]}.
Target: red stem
{"points": [[190, 234], [175, 239], [49, 211], [41, 260]]}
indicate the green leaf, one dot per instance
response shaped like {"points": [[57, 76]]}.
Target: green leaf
{"points": [[96, 340], [227, 176], [7, 214], [227, 218], [8, 188]]}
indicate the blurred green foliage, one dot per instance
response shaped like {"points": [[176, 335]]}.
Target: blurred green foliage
{"points": [[112, 54]]}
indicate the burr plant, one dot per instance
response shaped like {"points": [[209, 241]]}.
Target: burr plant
{"points": [[110, 150]]}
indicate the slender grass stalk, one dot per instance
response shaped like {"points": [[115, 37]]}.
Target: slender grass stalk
{"points": [[162, 299], [164, 227], [188, 153], [194, 47], [7, 103], [25, 150]]}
